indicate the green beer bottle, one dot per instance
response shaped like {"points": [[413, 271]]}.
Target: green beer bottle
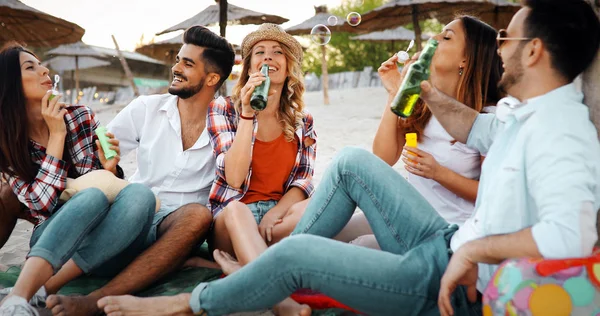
{"points": [[408, 94], [259, 97]]}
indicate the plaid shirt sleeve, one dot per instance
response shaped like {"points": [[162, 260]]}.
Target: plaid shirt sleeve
{"points": [[221, 126], [306, 168], [42, 193]]}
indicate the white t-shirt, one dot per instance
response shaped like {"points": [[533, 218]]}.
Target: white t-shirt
{"points": [[151, 124], [454, 156]]}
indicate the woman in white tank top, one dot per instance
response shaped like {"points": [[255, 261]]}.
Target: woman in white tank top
{"points": [[448, 173]]}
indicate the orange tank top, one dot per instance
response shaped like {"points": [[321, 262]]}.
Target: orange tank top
{"points": [[272, 164]]}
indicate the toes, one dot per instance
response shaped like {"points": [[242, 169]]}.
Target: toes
{"points": [[104, 302], [57, 310], [112, 309]]}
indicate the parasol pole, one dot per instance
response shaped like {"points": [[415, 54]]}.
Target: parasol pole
{"points": [[325, 75], [415, 14]]}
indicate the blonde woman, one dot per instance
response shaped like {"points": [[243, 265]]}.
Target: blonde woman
{"points": [[265, 159]]}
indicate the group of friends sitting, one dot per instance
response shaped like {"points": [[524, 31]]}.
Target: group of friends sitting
{"points": [[507, 166]]}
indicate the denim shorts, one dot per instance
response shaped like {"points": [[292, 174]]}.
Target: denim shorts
{"points": [[260, 208], [162, 213]]}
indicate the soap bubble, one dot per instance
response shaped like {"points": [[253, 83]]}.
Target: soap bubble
{"points": [[332, 20], [353, 18], [320, 34]]}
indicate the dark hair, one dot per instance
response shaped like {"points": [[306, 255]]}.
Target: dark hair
{"points": [[478, 85], [569, 29], [15, 159], [218, 55]]}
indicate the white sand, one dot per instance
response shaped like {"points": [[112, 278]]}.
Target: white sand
{"points": [[350, 120]]}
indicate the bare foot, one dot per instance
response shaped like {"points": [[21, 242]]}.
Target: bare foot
{"points": [[158, 306], [61, 305], [228, 264], [198, 262], [289, 307]]}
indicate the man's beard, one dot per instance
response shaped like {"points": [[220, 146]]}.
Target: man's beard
{"points": [[513, 74], [188, 92]]}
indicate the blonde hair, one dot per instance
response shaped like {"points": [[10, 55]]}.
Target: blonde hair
{"points": [[291, 104]]}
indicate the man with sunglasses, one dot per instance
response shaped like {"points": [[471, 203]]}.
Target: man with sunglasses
{"points": [[540, 184]]}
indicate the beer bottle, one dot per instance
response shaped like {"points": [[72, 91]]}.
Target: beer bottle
{"points": [[408, 94], [258, 102]]}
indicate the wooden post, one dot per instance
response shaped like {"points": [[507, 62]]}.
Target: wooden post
{"points": [[325, 75], [222, 16], [223, 28], [415, 18], [77, 76], [128, 73]]}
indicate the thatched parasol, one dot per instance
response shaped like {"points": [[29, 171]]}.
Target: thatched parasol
{"points": [[210, 16], [321, 17], [167, 50], [76, 51], [68, 63], [400, 12], [392, 35], [19, 22]]}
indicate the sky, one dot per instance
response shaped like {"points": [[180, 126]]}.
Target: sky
{"points": [[129, 19]]}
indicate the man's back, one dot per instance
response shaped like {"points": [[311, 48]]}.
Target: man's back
{"points": [[152, 125]]}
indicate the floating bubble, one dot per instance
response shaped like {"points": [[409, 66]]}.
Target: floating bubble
{"points": [[403, 55], [332, 20], [353, 18], [320, 34]]}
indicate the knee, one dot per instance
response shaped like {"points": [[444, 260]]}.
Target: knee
{"points": [[196, 215], [234, 212], [352, 157], [139, 195], [92, 196]]}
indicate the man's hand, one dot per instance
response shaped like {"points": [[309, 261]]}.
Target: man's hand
{"points": [[461, 270], [266, 225]]}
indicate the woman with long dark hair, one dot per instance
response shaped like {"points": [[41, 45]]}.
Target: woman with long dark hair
{"points": [[42, 143]]}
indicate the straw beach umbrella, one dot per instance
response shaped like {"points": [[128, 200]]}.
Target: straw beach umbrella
{"points": [[391, 35], [167, 50], [305, 28], [210, 16], [69, 63], [400, 12], [19, 22], [76, 51]]}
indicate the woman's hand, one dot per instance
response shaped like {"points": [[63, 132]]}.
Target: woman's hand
{"points": [[266, 225], [421, 163], [109, 164], [246, 93], [390, 77], [53, 113]]}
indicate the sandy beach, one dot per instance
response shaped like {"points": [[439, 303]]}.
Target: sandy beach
{"points": [[350, 120]]}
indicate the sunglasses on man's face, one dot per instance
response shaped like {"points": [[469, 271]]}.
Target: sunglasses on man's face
{"points": [[503, 37]]}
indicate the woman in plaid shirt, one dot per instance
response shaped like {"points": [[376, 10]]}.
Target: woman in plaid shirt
{"points": [[42, 142], [265, 160]]}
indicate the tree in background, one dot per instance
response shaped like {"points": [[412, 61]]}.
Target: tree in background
{"points": [[344, 54]]}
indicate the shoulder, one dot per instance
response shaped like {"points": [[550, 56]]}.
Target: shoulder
{"points": [[78, 113], [222, 105]]}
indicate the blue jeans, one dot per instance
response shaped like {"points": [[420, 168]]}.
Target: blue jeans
{"points": [[101, 238], [403, 279]]}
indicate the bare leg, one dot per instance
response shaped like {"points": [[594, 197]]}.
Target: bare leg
{"points": [[35, 273], [248, 244], [67, 273], [289, 221], [158, 306], [179, 233]]}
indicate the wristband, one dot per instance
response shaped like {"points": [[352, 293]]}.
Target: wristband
{"points": [[250, 118]]}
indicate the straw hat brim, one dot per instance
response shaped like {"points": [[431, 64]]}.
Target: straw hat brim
{"points": [[271, 32]]}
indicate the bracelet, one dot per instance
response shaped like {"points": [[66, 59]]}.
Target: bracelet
{"points": [[250, 118]]}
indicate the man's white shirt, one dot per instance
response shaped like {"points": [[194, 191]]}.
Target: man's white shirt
{"points": [[152, 125]]}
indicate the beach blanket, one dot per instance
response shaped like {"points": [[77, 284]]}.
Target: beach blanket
{"points": [[183, 281]]}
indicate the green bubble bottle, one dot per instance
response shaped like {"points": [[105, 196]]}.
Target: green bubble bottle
{"points": [[410, 90], [258, 102]]}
